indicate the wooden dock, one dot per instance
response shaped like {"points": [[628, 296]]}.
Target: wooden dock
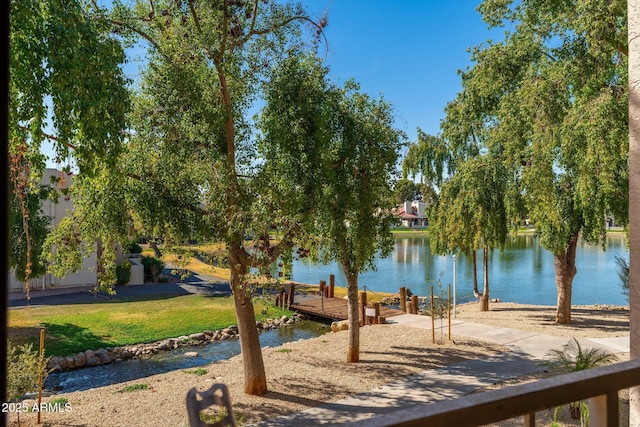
{"points": [[331, 308]]}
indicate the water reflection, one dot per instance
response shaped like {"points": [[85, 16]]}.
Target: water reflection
{"points": [[523, 272]]}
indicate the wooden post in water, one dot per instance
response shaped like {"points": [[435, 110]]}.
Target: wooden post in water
{"points": [[363, 308], [332, 285], [414, 304], [433, 324], [376, 317], [449, 311], [321, 287], [403, 299], [292, 288], [40, 372]]}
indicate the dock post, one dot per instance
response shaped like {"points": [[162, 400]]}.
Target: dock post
{"points": [[363, 308], [280, 298], [403, 299], [291, 292], [332, 285], [321, 287], [376, 318], [414, 304]]}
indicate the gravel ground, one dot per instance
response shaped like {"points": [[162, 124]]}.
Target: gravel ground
{"points": [[309, 373]]}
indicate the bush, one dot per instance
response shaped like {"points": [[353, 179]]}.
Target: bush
{"points": [[123, 273], [152, 268], [23, 370], [133, 247]]}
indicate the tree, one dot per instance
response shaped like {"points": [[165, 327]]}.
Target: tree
{"points": [[332, 150], [67, 88], [405, 190], [470, 214], [529, 97], [192, 143], [356, 219]]}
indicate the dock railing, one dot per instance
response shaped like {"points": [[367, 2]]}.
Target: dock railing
{"points": [[599, 386]]}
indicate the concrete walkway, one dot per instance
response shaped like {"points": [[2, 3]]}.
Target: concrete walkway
{"points": [[199, 284], [528, 350]]}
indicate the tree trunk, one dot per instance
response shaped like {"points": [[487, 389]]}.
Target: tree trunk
{"points": [[255, 379], [156, 251], [353, 348], [565, 265], [634, 198], [475, 274], [484, 298]]}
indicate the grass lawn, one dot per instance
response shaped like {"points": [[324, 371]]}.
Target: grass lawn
{"points": [[70, 329]]}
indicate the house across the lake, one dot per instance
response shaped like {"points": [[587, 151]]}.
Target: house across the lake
{"points": [[412, 214]]}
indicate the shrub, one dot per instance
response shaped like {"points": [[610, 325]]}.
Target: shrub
{"points": [[123, 273], [622, 266], [133, 247], [573, 358], [133, 387], [152, 268], [24, 367]]}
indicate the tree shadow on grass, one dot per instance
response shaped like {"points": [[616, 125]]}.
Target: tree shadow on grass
{"points": [[65, 339]]}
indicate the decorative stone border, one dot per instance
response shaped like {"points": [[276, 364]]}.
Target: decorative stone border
{"points": [[107, 355]]}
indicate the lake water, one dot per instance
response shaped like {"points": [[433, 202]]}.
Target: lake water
{"points": [[523, 272]]}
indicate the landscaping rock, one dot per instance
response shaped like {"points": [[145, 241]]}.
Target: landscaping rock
{"points": [[343, 325], [198, 337], [92, 361], [103, 357], [108, 355]]}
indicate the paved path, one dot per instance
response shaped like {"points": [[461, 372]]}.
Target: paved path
{"points": [[194, 284], [528, 350]]}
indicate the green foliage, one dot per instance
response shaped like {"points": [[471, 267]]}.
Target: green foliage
{"points": [[622, 267], [38, 227], [65, 67], [331, 156], [428, 158], [572, 357], [550, 103], [24, 369], [133, 247], [470, 213], [196, 371], [405, 190], [152, 268], [133, 387], [60, 401], [123, 273]]}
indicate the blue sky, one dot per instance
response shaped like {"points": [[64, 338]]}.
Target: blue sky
{"points": [[409, 51]]}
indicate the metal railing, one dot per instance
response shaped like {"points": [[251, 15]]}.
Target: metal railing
{"points": [[599, 385]]}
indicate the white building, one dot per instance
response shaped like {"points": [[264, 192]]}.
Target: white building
{"points": [[87, 276], [413, 214]]}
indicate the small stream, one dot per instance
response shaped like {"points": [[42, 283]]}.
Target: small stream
{"points": [[117, 372]]}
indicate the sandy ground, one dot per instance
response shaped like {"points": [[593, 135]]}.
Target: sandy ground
{"points": [[309, 373]]}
